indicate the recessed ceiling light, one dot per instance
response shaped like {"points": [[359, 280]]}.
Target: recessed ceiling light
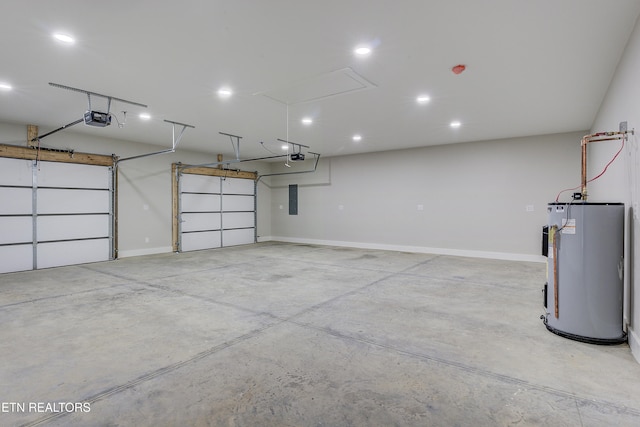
{"points": [[362, 50], [64, 38], [357, 138], [145, 116], [423, 99], [307, 121], [455, 124], [285, 146], [5, 86], [225, 93]]}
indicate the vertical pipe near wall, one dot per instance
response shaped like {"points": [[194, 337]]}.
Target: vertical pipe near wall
{"points": [[115, 207], [34, 211], [583, 175], [631, 272], [112, 212], [174, 209], [177, 207], [222, 211], [255, 210]]}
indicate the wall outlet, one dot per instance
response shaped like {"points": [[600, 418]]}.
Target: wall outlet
{"points": [[528, 208], [420, 207], [340, 207]]}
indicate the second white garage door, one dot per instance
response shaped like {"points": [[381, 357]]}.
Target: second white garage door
{"points": [[215, 212]]}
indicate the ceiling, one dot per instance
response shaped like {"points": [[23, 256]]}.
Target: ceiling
{"points": [[532, 67]]}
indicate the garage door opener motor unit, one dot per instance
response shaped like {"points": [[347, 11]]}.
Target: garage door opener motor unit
{"points": [[92, 117], [96, 118]]}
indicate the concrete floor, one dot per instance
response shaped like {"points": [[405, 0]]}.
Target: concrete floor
{"points": [[279, 334]]}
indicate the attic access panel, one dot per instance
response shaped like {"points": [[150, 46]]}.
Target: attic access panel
{"points": [[339, 82]]}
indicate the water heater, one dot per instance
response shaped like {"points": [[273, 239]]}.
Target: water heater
{"points": [[583, 296]]}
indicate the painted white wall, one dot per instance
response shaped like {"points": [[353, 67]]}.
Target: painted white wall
{"points": [[144, 186], [473, 197], [621, 183]]}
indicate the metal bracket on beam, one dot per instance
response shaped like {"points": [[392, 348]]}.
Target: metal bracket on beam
{"points": [[295, 144], [235, 144], [236, 147], [230, 162], [315, 167], [89, 93], [175, 143]]}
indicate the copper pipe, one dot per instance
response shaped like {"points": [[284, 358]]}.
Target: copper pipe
{"points": [[555, 271], [596, 137], [604, 139]]}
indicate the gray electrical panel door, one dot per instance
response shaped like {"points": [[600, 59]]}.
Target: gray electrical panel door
{"points": [[293, 199]]}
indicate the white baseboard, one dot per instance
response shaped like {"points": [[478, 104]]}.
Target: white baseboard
{"points": [[416, 249], [141, 252], [634, 343], [398, 248]]}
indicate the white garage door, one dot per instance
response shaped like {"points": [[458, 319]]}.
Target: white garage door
{"points": [[54, 214], [16, 215], [215, 212]]}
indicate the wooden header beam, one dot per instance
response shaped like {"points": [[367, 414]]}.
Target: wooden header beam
{"points": [[210, 171], [28, 153]]}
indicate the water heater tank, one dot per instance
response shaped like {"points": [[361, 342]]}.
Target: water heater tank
{"points": [[584, 291]]}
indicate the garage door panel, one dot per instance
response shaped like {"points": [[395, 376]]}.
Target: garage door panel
{"points": [[208, 204], [199, 184], [16, 201], [200, 203], [57, 227], [239, 237], [201, 240], [16, 172], [71, 175], [238, 220], [61, 201], [72, 204], [16, 229], [238, 203], [16, 258], [200, 222], [74, 252], [238, 186]]}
